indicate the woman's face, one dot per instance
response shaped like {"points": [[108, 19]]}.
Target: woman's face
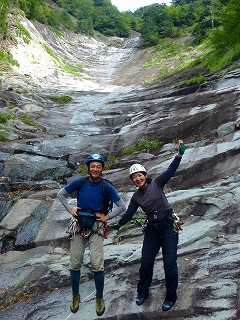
{"points": [[139, 179]]}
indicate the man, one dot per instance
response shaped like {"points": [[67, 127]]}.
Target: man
{"points": [[161, 228], [90, 201]]}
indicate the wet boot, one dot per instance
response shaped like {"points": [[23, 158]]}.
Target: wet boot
{"points": [[100, 306], [75, 302]]}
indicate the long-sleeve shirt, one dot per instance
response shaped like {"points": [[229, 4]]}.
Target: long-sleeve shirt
{"points": [[152, 197], [90, 197]]}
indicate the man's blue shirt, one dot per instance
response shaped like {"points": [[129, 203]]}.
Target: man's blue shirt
{"points": [[90, 196]]}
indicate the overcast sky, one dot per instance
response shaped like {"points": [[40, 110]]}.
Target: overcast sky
{"points": [[132, 5]]}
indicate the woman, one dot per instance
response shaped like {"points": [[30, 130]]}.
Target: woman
{"points": [[161, 228]]}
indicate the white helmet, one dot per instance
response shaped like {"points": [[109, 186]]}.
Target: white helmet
{"points": [[136, 167]]}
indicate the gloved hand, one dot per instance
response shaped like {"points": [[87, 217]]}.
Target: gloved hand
{"points": [[116, 226], [181, 148]]}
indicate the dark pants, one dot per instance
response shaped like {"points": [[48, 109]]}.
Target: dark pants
{"points": [[156, 237]]}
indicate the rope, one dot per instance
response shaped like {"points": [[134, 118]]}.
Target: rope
{"points": [[106, 280]]}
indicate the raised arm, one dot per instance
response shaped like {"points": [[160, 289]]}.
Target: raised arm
{"points": [[169, 173]]}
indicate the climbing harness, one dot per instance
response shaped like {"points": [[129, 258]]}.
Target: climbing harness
{"points": [[87, 232], [154, 222]]}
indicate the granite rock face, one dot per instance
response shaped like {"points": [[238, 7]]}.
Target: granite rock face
{"points": [[105, 117]]}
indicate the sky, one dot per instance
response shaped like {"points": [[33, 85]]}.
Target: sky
{"points": [[132, 5]]}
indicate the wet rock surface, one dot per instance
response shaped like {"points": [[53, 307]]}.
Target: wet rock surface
{"points": [[104, 117]]}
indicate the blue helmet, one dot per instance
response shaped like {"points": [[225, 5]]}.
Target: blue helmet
{"points": [[95, 157]]}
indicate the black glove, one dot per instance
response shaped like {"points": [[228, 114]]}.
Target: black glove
{"points": [[181, 149], [116, 226]]}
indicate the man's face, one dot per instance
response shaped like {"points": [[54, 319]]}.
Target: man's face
{"points": [[95, 170]]}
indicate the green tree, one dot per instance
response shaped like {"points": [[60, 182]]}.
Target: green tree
{"points": [[42, 12], [99, 3], [157, 23], [181, 2], [228, 33], [23, 5], [181, 16], [166, 25], [85, 26], [132, 21], [108, 20], [4, 5], [208, 17], [66, 20], [100, 15], [149, 30], [32, 10]]}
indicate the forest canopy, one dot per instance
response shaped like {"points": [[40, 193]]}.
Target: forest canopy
{"points": [[214, 20]]}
